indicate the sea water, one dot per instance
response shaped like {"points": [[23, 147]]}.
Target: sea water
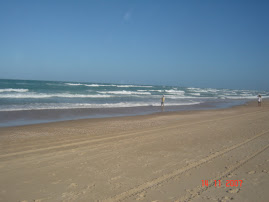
{"points": [[35, 96]]}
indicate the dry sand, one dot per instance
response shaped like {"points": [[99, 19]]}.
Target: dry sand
{"points": [[159, 157]]}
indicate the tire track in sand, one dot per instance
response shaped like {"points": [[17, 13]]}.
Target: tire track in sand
{"points": [[123, 135], [169, 176], [199, 189]]}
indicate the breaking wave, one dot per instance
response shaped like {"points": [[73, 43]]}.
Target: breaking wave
{"points": [[13, 90]]}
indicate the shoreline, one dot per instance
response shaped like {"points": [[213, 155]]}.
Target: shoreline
{"points": [[29, 117], [161, 156]]}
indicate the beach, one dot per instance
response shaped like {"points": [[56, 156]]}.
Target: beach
{"points": [[191, 155]]}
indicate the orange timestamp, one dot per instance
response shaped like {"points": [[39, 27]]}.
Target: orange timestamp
{"points": [[229, 183]]}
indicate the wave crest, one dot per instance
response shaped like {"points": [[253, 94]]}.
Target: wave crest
{"points": [[13, 90], [43, 95]]}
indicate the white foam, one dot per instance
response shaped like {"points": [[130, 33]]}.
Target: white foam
{"points": [[13, 90], [196, 94], [124, 92], [151, 91], [212, 90], [89, 106], [179, 97], [206, 90], [133, 86], [197, 90], [193, 88], [74, 84], [92, 85], [97, 85], [180, 92], [161, 91], [44, 95], [240, 97], [88, 85]]}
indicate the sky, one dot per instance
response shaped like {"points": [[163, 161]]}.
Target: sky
{"points": [[192, 43]]}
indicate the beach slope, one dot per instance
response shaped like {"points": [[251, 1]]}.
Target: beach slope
{"points": [[216, 155]]}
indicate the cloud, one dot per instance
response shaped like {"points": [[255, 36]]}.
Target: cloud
{"points": [[127, 16]]}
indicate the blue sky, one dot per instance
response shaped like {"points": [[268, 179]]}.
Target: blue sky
{"points": [[216, 43]]}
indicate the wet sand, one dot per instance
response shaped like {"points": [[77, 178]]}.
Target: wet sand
{"points": [[27, 117], [158, 157]]}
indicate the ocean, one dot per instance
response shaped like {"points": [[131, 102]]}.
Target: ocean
{"points": [[32, 101]]}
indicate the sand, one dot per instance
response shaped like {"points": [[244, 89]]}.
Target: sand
{"points": [[158, 157]]}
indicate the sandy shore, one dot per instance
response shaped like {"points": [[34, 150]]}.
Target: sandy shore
{"points": [[159, 157]]}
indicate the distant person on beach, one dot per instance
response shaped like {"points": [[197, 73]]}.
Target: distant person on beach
{"points": [[162, 101], [259, 100]]}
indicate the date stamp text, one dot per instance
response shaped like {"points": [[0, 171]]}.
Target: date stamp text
{"points": [[229, 183]]}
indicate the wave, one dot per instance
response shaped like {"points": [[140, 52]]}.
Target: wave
{"points": [[44, 106], [13, 90], [74, 84], [185, 97], [124, 92], [44, 95], [97, 85], [198, 90], [88, 85], [225, 93], [175, 92], [113, 85], [133, 86], [196, 94], [242, 97], [160, 91], [171, 94]]}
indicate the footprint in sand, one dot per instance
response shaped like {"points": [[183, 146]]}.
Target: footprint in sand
{"points": [[208, 198], [233, 191], [69, 195], [188, 174], [225, 198], [252, 172], [115, 178], [56, 182], [141, 196], [72, 185], [53, 174]]}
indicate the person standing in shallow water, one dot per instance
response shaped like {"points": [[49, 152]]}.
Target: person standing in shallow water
{"points": [[259, 100], [162, 101]]}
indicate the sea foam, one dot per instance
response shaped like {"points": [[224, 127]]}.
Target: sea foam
{"points": [[13, 90], [44, 95], [124, 92], [89, 106]]}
